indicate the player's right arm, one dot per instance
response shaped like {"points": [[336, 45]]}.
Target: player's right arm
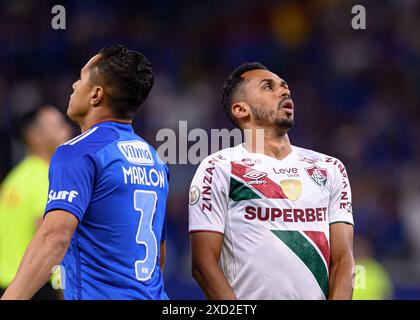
{"points": [[71, 176], [207, 211], [205, 249], [45, 251]]}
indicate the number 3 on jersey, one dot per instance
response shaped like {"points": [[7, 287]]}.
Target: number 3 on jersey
{"points": [[145, 203]]}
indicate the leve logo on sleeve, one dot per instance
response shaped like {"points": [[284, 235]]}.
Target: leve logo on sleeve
{"points": [[136, 152]]}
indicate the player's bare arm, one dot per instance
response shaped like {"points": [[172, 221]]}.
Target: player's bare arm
{"points": [[205, 249], [342, 262], [38, 223], [162, 255], [46, 250]]}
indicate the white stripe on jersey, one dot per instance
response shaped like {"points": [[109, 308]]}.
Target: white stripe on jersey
{"points": [[80, 137]]}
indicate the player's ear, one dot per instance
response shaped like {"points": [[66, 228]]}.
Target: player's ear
{"points": [[97, 96], [240, 110]]}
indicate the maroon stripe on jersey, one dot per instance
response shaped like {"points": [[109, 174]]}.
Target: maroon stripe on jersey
{"points": [[319, 238], [269, 189]]}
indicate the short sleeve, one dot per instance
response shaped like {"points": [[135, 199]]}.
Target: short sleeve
{"points": [[340, 206], [71, 178], [208, 199]]}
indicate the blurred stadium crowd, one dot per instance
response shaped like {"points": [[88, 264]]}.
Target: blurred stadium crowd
{"points": [[356, 94]]}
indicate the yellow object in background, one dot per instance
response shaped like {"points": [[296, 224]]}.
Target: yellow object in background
{"points": [[289, 25], [372, 281], [23, 196]]}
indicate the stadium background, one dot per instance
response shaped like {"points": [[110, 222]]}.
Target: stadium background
{"points": [[356, 94]]}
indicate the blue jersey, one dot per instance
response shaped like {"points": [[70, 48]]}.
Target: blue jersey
{"points": [[114, 183]]}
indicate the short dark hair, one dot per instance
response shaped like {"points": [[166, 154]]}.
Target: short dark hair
{"points": [[231, 85], [22, 122], [128, 76]]}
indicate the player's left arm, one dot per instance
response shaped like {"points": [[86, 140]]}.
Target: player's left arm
{"points": [[38, 223], [45, 251], [341, 273], [342, 262], [163, 245]]}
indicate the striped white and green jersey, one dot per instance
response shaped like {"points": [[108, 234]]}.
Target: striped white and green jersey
{"points": [[275, 216]]}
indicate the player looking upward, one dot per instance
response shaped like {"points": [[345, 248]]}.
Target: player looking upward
{"points": [[278, 219], [107, 193]]}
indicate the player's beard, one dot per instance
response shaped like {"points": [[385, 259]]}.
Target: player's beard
{"points": [[264, 117], [285, 123]]}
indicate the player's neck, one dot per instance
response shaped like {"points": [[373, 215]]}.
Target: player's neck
{"points": [[42, 154], [268, 143], [93, 119]]}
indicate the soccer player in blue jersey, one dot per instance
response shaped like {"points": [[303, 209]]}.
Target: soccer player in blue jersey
{"points": [[105, 214]]}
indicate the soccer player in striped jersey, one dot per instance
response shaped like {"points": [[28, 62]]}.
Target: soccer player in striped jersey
{"points": [[274, 222], [105, 213]]}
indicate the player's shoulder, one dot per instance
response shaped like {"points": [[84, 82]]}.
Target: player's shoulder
{"points": [[87, 143], [313, 157]]}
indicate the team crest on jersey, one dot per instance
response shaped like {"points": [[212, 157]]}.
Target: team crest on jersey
{"points": [[194, 195], [292, 188], [137, 152], [318, 175]]}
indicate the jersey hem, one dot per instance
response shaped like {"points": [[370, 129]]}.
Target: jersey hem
{"points": [[66, 207], [346, 222], [205, 230]]}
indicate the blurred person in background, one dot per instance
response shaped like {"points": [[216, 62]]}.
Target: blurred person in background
{"points": [[25, 189], [372, 281]]}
